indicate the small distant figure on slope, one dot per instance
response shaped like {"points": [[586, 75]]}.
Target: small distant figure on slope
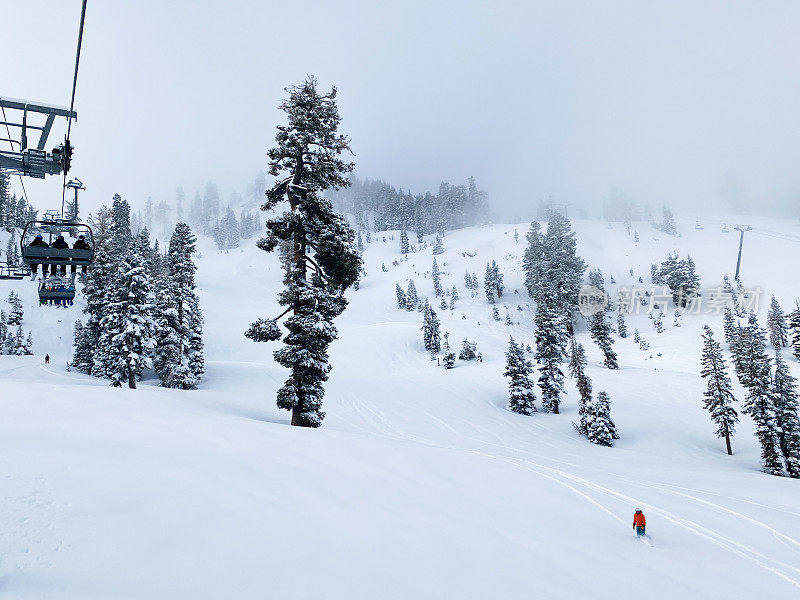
{"points": [[639, 522], [47, 359]]}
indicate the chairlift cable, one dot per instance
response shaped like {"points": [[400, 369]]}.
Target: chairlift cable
{"points": [[21, 182], [72, 99]]}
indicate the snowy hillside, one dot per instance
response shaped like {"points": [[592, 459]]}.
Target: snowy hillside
{"points": [[420, 484]]}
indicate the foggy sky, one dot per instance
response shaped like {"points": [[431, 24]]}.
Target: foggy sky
{"points": [[663, 100]]}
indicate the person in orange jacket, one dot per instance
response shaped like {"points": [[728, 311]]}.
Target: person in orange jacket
{"points": [[639, 522]]}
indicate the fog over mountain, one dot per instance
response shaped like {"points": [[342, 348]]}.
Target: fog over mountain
{"points": [[693, 104]]}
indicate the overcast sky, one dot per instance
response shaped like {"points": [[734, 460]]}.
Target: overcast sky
{"points": [[664, 100]]}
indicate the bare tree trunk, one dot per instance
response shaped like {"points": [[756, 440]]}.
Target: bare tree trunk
{"points": [[131, 379], [728, 441]]}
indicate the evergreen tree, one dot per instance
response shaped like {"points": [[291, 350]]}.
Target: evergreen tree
{"points": [[719, 393], [489, 285], [794, 331], [563, 268], [178, 359], [16, 312], [622, 329], [449, 359], [436, 277], [82, 358], [550, 349], [755, 375], [520, 387], [729, 326], [777, 326], [430, 331], [127, 328], [402, 303], [404, 247], [599, 325], [497, 280], [411, 296], [533, 260], [308, 150], [786, 405], [468, 350], [438, 248], [577, 370], [600, 428]]}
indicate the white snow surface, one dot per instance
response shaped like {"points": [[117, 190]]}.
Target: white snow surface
{"points": [[420, 484]]}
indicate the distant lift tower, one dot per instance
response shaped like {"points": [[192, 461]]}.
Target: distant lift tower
{"points": [[34, 161], [741, 229]]}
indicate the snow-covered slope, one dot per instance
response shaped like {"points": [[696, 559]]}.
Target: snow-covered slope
{"points": [[420, 483]]}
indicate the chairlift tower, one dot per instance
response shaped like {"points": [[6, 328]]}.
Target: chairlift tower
{"points": [[741, 229]]}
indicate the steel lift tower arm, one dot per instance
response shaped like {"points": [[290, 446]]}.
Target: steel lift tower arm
{"points": [[35, 162]]}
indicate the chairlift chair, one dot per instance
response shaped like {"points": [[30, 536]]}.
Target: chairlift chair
{"points": [[53, 226], [57, 290]]}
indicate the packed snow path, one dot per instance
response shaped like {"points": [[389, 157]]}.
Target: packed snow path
{"points": [[420, 483]]}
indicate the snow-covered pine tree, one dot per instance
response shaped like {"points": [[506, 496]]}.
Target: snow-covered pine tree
{"points": [[532, 261], [564, 268], [719, 392], [794, 331], [449, 358], [495, 313], [551, 335], [622, 329], [729, 326], [468, 350], [786, 404], [600, 428], [755, 375], [497, 280], [443, 304], [431, 338], [127, 329], [438, 248], [777, 326], [178, 358], [81, 358], [16, 311], [577, 370], [309, 150], [402, 302], [3, 330], [436, 277], [404, 246], [600, 326], [411, 296], [520, 387], [489, 285]]}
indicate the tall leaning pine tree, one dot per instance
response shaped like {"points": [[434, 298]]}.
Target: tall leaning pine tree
{"points": [[324, 261], [719, 394]]}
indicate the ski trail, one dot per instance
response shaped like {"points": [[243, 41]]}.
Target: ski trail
{"points": [[728, 544], [789, 540]]}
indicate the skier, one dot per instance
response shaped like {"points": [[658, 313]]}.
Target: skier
{"points": [[639, 522], [47, 359]]}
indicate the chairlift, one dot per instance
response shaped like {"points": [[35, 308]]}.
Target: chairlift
{"points": [[725, 228], [698, 226], [51, 229], [56, 290]]}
